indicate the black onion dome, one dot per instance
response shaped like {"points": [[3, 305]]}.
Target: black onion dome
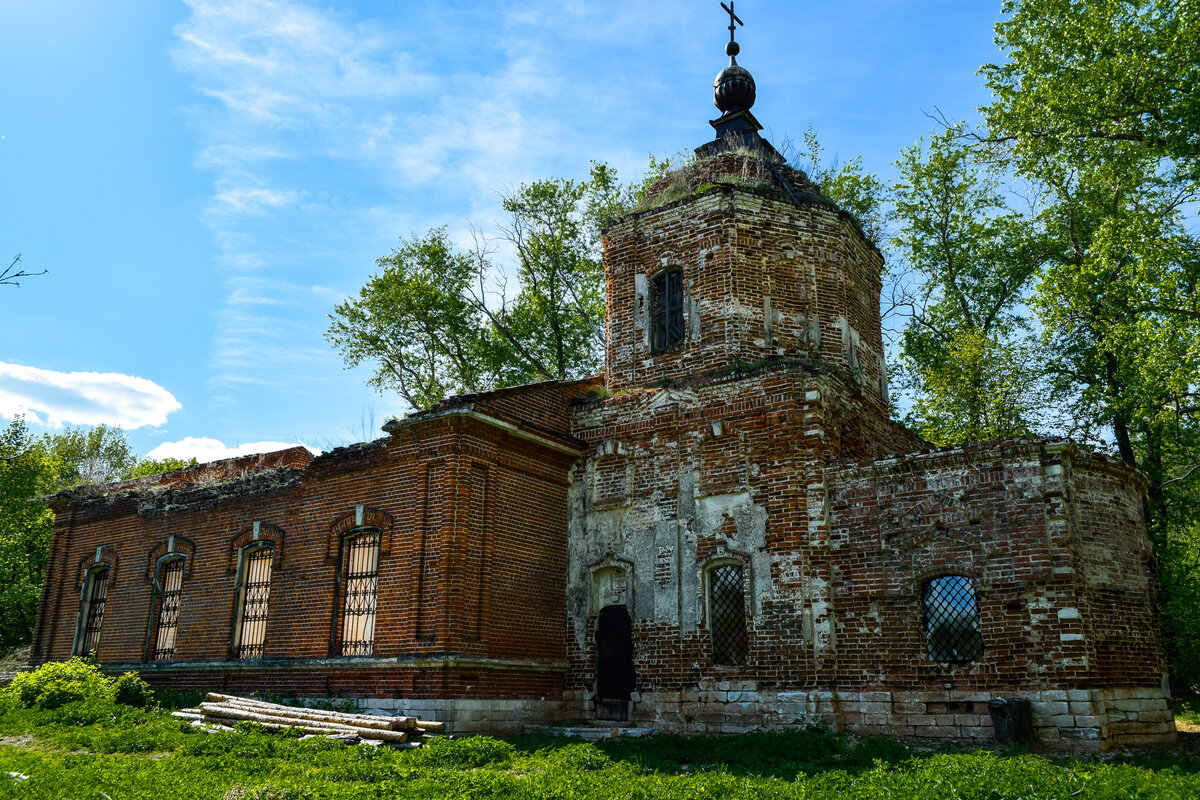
{"points": [[733, 90]]}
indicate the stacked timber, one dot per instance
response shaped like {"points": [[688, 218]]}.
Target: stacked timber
{"points": [[227, 710]]}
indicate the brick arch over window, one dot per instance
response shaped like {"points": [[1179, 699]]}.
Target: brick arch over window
{"points": [[100, 556], [170, 546], [263, 532], [362, 516]]}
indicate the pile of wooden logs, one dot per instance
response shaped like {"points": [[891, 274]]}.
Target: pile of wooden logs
{"points": [[226, 711]]}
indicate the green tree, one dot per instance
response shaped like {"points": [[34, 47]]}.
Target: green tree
{"points": [[89, 455], [965, 353], [1080, 72], [26, 474], [438, 321], [150, 466]]}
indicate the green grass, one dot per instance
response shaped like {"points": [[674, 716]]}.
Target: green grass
{"points": [[1188, 710], [98, 750]]}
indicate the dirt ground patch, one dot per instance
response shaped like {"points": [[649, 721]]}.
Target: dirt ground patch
{"points": [[11, 662]]}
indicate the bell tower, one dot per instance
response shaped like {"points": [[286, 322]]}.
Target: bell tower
{"points": [[735, 260]]}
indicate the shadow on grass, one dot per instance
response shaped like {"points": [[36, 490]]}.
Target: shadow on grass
{"points": [[793, 753], [775, 754]]}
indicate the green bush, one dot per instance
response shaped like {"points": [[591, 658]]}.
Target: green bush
{"points": [[131, 690], [59, 683]]}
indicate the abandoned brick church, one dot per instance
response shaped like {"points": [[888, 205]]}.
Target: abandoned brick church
{"points": [[725, 530]]}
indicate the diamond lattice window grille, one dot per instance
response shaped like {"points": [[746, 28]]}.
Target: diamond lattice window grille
{"points": [[362, 584], [727, 614], [951, 620]]}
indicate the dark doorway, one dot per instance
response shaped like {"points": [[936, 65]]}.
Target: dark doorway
{"points": [[615, 677]]}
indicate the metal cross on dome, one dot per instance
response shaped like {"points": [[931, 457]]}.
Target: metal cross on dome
{"points": [[732, 19]]}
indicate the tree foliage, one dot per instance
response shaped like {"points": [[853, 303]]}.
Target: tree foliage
{"points": [[437, 321], [1081, 72], [964, 353], [26, 473]]}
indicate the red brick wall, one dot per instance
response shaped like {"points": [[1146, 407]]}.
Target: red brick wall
{"points": [[1053, 540], [751, 260], [472, 564], [714, 468]]}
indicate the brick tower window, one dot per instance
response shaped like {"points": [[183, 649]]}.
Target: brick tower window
{"points": [[361, 558], [254, 595], [727, 614], [666, 310], [170, 589], [951, 620], [91, 612]]}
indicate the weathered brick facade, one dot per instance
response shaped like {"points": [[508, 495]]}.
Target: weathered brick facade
{"points": [[752, 457]]}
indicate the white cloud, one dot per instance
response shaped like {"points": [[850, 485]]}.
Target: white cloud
{"points": [[252, 201], [205, 450], [55, 399]]}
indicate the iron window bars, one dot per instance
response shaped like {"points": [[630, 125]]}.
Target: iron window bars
{"points": [[256, 593], [362, 584], [666, 310], [727, 614], [168, 609], [97, 599], [951, 620]]}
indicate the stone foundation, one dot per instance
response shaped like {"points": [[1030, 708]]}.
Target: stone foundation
{"points": [[1074, 719], [481, 715]]}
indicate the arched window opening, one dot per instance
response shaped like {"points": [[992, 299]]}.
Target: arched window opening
{"points": [[361, 558], [727, 614], [170, 587], [255, 596], [91, 614], [951, 620], [666, 310]]}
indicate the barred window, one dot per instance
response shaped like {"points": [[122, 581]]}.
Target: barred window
{"points": [[666, 310], [170, 588], [951, 620], [91, 613], [727, 614], [361, 558], [255, 594]]}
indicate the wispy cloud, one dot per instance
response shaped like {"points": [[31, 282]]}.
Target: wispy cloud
{"points": [[55, 399], [204, 450], [329, 137], [252, 201]]}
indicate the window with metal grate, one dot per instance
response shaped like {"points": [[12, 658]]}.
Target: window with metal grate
{"points": [[361, 557], [171, 592], [256, 593], [727, 614], [92, 613], [951, 620], [666, 310]]}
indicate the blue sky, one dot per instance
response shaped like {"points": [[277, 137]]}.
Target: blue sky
{"points": [[205, 180]]}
